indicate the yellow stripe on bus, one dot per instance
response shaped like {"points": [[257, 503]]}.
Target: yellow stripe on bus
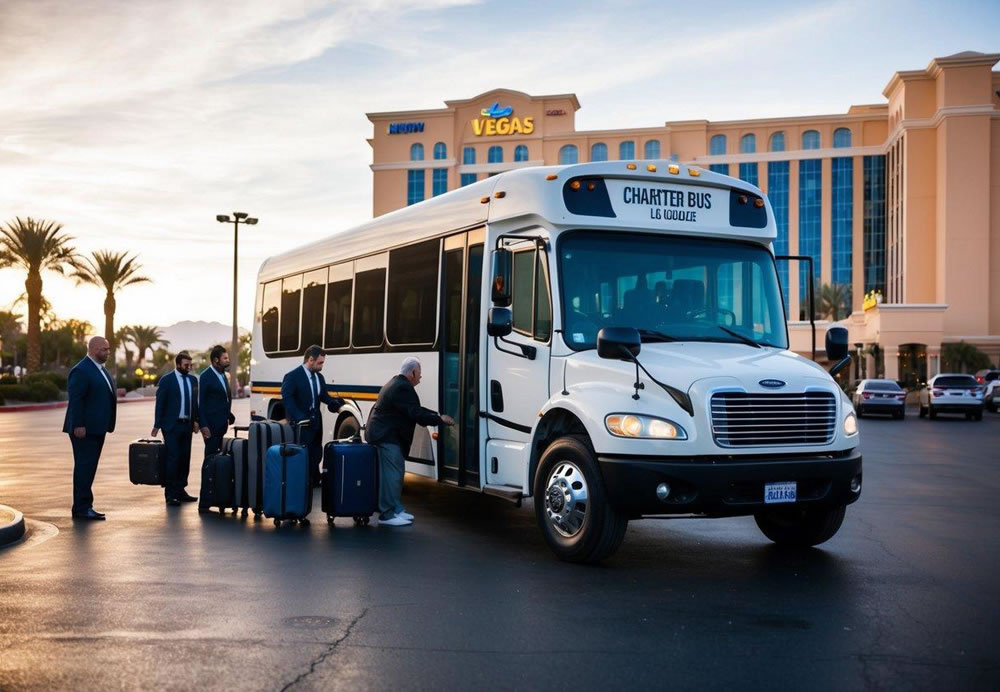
{"points": [[361, 396]]}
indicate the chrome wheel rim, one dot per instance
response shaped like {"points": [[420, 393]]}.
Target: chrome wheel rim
{"points": [[566, 499]]}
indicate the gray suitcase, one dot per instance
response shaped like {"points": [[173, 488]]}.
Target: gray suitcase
{"points": [[261, 436]]}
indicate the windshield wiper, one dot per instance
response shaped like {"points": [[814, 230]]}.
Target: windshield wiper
{"points": [[652, 336], [745, 339]]}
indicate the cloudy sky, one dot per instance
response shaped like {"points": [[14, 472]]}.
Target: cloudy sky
{"points": [[134, 122]]}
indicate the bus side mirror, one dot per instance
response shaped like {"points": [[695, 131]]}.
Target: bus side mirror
{"points": [[500, 322], [502, 264], [613, 342], [836, 343]]}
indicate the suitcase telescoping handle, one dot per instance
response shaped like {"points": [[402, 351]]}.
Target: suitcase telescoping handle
{"points": [[297, 428], [237, 429]]}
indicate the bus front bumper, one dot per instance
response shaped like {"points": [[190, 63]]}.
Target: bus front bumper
{"points": [[727, 485]]}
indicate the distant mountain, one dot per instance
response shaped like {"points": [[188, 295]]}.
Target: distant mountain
{"points": [[198, 336]]}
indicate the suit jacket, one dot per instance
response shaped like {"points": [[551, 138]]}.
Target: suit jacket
{"points": [[297, 396], [92, 403], [214, 402], [396, 412], [168, 404]]}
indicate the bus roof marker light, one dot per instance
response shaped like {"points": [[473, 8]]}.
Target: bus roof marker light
{"points": [[484, 200], [575, 185], [499, 194], [759, 203], [651, 167], [694, 172], [590, 186], [674, 169], [743, 199], [630, 166], [551, 176]]}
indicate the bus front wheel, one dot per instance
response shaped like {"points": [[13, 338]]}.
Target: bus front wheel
{"points": [[570, 504]]}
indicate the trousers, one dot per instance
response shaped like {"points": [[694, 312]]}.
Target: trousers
{"points": [[391, 467], [178, 444], [86, 454]]}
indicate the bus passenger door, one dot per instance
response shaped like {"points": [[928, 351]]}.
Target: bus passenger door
{"points": [[518, 367], [461, 288]]}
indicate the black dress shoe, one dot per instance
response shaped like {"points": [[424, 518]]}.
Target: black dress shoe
{"points": [[173, 502], [187, 498], [89, 514]]}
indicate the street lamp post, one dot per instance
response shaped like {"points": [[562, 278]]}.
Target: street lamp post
{"points": [[234, 351]]}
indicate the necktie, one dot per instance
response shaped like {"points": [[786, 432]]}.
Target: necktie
{"points": [[187, 388], [107, 376], [315, 388]]}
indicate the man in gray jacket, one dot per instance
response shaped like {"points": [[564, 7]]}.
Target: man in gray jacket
{"points": [[390, 428]]}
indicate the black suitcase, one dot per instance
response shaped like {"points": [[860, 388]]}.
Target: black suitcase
{"points": [[261, 436], [217, 484], [350, 480], [147, 459], [239, 449]]}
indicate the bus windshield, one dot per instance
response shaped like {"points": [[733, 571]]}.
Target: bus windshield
{"points": [[670, 288]]}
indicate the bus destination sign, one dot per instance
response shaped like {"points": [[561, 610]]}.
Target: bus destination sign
{"points": [[674, 203]]}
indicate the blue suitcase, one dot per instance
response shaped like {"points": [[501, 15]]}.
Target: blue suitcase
{"points": [[287, 484], [350, 480]]}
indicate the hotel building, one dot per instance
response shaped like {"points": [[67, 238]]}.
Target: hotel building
{"points": [[898, 203]]}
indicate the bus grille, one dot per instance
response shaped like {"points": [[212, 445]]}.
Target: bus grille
{"points": [[740, 419]]}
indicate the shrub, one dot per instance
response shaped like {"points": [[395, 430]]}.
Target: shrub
{"points": [[2, 400], [38, 391], [8, 379], [55, 378], [127, 382]]}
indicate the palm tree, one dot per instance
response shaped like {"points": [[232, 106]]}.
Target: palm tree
{"points": [[35, 246], [10, 329], [145, 338], [834, 300], [964, 357], [124, 338], [78, 328], [111, 271]]}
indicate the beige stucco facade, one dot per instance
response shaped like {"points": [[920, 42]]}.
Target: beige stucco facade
{"points": [[918, 202]]}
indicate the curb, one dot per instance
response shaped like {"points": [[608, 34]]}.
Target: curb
{"points": [[15, 408], [12, 531]]}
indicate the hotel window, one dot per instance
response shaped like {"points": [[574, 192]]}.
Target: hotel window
{"points": [[652, 149], [414, 187], [841, 138], [467, 179], [417, 152], [810, 215], [568, 154], [626, 150], [440, 151], [841, 201], [599, 152], [874, 223], [778, 141], [494, 155], [810, 139], [439, 181], [520, 153], [468, 155], [717, 147], [748, 171], [777, 192]]}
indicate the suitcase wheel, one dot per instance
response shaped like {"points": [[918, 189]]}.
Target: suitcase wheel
{"points": [[245, 512], [202, 510], [277, 523], [361, 521], [304, 522], [329, 519], [256, 515]]}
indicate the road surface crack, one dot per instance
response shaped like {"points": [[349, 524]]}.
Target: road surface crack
{"points": [[330, 649]]}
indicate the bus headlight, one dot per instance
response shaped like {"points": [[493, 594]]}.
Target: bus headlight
{"points": [[850, 425], [648, 427]]}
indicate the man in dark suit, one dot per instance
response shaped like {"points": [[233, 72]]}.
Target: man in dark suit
{"points": [[302, 391], [215, 402], [93, 403], [177, 415]]}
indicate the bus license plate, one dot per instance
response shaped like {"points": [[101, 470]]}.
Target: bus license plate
{"points": [[779, 492]]}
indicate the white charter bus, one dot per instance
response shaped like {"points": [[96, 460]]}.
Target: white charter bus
{"points": [[609, 337]]}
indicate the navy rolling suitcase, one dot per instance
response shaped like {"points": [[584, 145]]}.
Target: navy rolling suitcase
{"points": [[147, 462], [240, 450], [288, 488], [350, 480], [217, 484], [261, 436]]}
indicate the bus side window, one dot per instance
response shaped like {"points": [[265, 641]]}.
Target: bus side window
{"points": [[413, 288], [369, 308], [269, 316], [338, 306], [521, 301], [291, 301], [313, 308], [543, 305]]}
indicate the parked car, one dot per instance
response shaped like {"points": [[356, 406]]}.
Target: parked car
{"points": [[991, 380], [879, 396], [952, 393]]}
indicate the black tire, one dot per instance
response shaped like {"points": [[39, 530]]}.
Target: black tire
{"points": [[923, 412], [348, 427], [601, 530], [800, 527], [931, 413], [899, 416], [978, 416]]}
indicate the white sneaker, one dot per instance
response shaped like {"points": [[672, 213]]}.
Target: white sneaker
{"points": [[405, 515], [395, 521]]}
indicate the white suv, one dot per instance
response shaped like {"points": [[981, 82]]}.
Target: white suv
{"points": [[952, 393], [990, 379]]}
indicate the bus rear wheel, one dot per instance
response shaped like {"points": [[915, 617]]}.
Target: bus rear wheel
{"points": [[800, 527], [570, 504]]}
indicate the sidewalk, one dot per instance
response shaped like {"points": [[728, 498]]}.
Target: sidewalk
{"points": [[15, 408]]}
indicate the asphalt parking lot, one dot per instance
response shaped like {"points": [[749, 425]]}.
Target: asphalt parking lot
{"points": [[906, 596]]}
